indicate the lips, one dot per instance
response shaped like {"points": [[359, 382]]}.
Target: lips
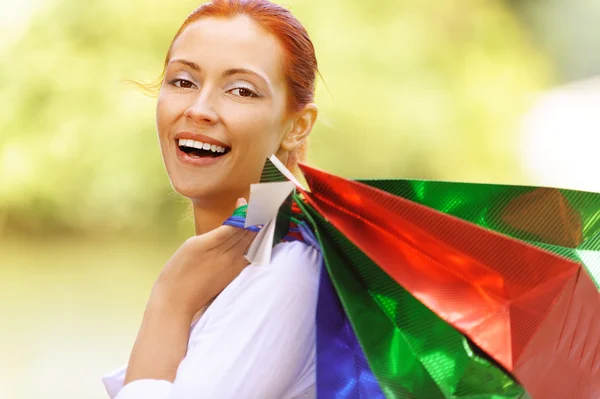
{"points": [[199, 150]]}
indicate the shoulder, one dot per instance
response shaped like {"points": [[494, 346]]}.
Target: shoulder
{"points": [[293, 264], [291, 276], [290, 280], [271, 298], [295, 255]]}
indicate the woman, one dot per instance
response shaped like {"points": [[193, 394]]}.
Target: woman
{"points": [[238, 86]]}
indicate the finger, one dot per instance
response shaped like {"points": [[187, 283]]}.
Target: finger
{"points": [[236, 253], [225, 232], [243, 246], [246, 241], [243, 242], [217, 237], [240, 202], [213, 239], [233, 241]]}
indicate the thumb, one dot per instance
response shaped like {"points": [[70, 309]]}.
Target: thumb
{"points": [[240, 202]]}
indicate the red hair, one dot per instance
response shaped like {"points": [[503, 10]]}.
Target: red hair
{"points": [[299, 59]]}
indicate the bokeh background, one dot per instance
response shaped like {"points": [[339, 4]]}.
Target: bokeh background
{"points": [[503, 91]]}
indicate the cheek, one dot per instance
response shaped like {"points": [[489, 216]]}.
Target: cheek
{"points": [[167, 111], [255, 129], [161, 116]]}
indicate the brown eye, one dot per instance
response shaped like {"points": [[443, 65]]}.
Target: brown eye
{"points": [[184, 84], [244, 92]]}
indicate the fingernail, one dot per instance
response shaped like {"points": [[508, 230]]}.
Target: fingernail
{"points": [[240, 202]]}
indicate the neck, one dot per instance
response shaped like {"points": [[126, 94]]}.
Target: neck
{"points": [[211, 213], [208, 215]]}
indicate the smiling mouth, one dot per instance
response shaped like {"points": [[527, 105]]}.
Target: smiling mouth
{"points": [[197, 149]]}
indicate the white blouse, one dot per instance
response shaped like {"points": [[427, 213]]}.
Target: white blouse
{"points": [[256, 340]]}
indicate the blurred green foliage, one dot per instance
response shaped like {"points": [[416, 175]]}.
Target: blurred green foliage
{"points": [[413, 89]]}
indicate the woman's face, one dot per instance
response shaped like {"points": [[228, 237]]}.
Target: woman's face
{"points": [[222, 108]]}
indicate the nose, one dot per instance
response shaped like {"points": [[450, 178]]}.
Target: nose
{"points": [[202, 109]]}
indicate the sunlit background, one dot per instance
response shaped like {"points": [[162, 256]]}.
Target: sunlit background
{"points": [[504, 91]]}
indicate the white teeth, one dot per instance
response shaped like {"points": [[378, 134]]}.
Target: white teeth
{"points": [[200, 145]]}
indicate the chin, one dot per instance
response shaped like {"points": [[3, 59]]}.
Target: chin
{"points": [[193, 191], [220, 184], [205, 191]]}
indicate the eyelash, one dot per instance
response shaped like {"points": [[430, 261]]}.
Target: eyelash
{"points": [[175, 81], [252, 93], [178, 80]]}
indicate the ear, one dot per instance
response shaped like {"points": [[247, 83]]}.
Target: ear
{"points": [[302, 124]]}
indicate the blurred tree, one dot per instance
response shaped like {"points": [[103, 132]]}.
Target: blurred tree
{"points": [[415, 89], [568, 31]]}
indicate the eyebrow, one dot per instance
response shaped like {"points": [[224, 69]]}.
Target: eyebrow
{"points": [[229, 72]]}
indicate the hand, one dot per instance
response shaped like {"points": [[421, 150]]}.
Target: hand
{"points": [[201, 268]]}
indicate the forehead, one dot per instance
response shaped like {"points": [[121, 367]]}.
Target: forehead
{"points": [[216, 43]]}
